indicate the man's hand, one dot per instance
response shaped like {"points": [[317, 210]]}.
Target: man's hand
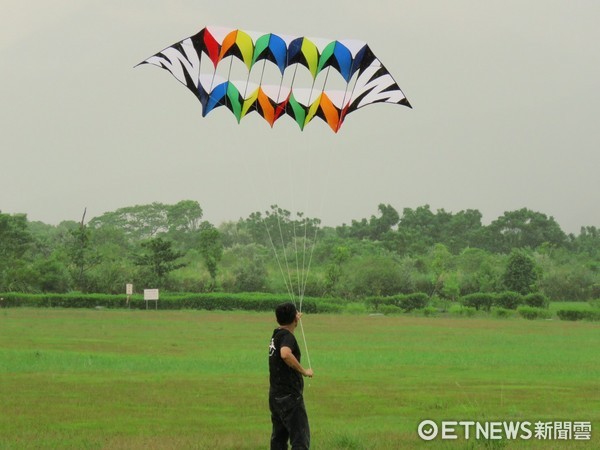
{"points": [[289, 358]]}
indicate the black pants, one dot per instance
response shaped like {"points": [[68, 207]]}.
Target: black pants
{"points": [[288, 415]]}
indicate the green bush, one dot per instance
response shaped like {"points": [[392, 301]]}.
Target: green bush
{"points": [[390, 309], [502, 313], [532, 313], [408, 302], [536, 300], [212, 301], [377, 302], [578, 314], [478, 300], [459, 310], [508, 300], [429, 311], [414, 301], [355, 308], [326, 307]]}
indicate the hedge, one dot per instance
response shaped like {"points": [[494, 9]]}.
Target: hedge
{"points": [[532, 313], [577, 314], [407, 302], [536, 300], [212, 301], [508, 300], [478, 300]]}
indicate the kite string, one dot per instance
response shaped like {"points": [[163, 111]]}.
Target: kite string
{"points": [[288, 287], [228, 78], [342, 114], [306, 268], [283, 246], [305, 345], [329, 155], [292, 188], [285, 281]]}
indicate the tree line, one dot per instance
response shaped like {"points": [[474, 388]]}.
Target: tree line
{"points": [[438, 253]]}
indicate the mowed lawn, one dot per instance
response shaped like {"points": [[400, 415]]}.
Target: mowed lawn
{"points": [[125, 379]]}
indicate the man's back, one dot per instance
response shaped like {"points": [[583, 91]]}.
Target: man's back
{"points": [[283, 379]]}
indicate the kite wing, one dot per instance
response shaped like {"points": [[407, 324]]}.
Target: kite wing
{"points": [[276, 75]]}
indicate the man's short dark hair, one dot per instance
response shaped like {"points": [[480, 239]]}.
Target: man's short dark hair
{"points": [[285, 313]]}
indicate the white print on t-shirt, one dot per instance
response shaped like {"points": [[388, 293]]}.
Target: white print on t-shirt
{"points": [[272, 347]]}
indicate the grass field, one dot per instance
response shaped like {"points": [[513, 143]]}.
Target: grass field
{"points": [[125, 379]]}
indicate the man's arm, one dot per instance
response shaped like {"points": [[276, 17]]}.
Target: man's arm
{"points": [[290, 360]]}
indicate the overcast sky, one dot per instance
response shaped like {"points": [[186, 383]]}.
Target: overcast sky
{"points": [[505, 96]]}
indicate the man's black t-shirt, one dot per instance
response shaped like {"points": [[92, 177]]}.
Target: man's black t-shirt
{"points": [[284, 380]]}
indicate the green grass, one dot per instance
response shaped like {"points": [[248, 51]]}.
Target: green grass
{"points": [[123, 379]]}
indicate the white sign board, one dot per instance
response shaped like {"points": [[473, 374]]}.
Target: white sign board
{"points": [[151, 294], [129, 289]]}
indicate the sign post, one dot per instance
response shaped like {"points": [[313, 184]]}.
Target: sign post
{"points": [[129, 292], [151, 295]]}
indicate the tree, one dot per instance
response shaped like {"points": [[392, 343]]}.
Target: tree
{"points": [[138, 222], [520, 274], [278, 227], [379, 226], [251, 276], [15, 239], [378, 275], [375, 228], [184, 216], [523, 229], [160, 259], [83, 255], [463, 230], [587, 242], [480, 270], [234, 233], [211, 249], [341, 254]]}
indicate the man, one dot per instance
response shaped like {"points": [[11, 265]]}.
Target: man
{"points": [[288, 413]]}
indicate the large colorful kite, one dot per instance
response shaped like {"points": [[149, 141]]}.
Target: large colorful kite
{"points": [[278, 75]]}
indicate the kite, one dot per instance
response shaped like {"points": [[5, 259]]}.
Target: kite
{"points": [[276, 75]]}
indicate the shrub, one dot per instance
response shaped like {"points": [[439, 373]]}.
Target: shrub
{"points": [[459, 310], [577, 314], [536, 300], [520, 274], [570, 314], [377, 302], [376, 275], [502, 313], [250, 277], [390, 309], [478, 300], [442, 304], [410, 302], [429, 311], [508, 300], [593, 315], [326, 307], [355, 308], [212, 301], [532, 313]]}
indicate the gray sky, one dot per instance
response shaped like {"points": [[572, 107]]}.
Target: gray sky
{"points": [[505, 96]]}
